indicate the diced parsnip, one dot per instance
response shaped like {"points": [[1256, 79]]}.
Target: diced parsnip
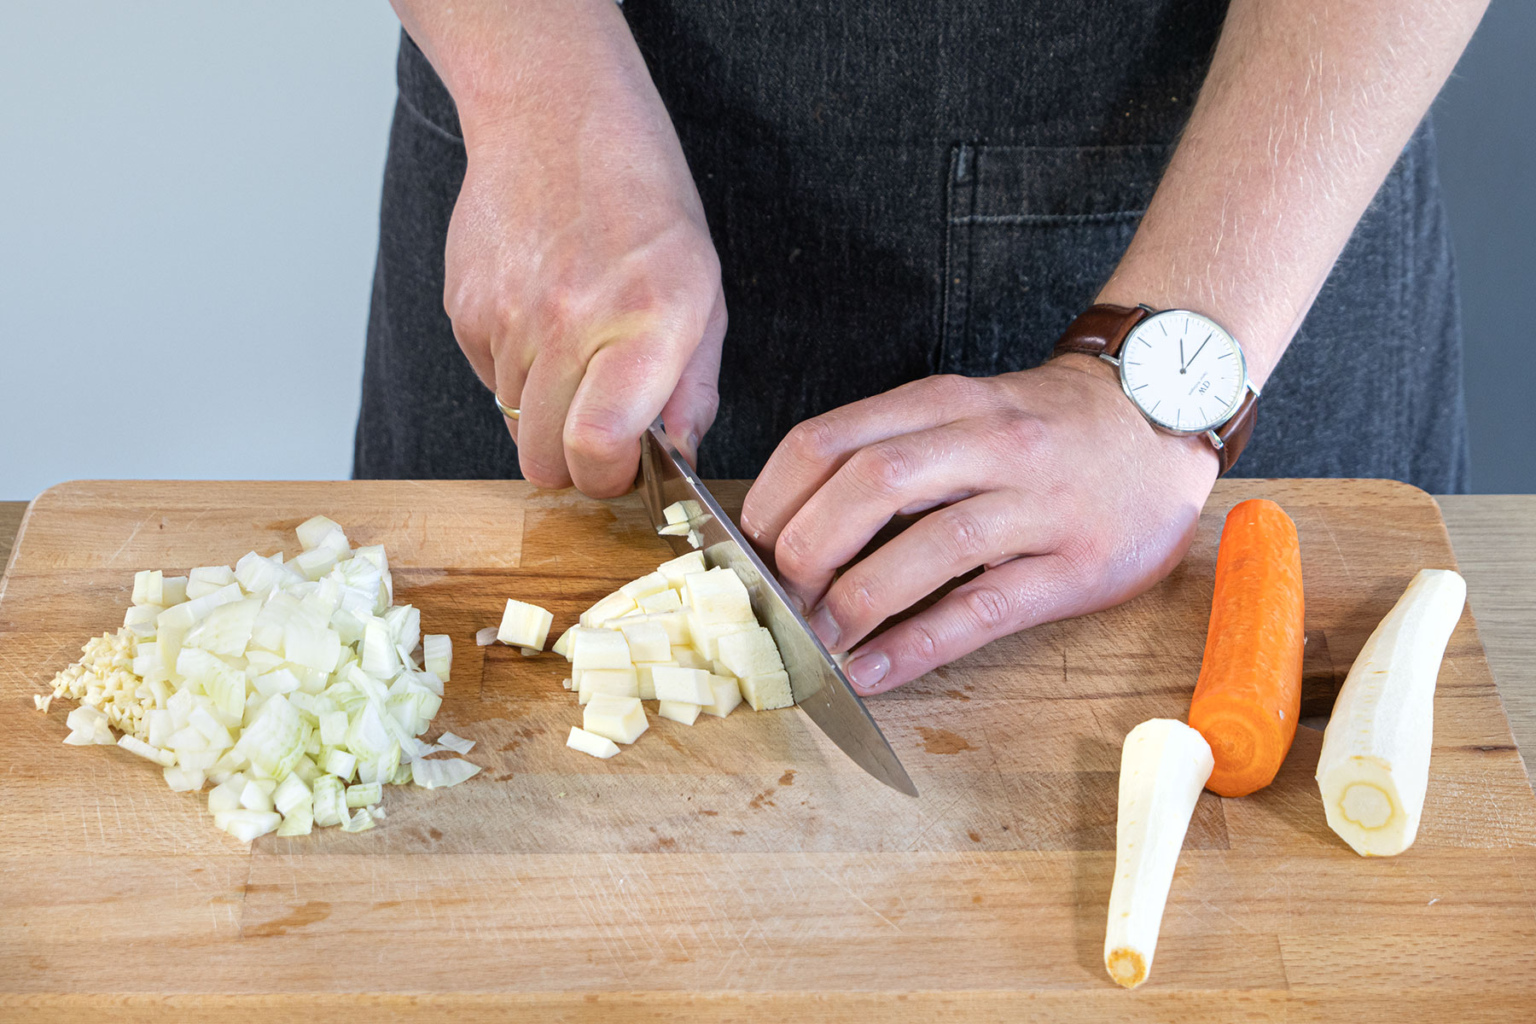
{"points": [[647, 682], [674, 530], [591, 743], [597, 648], [1163, 766], [767, 691], [725, 696], [682, 685], [647, 641], [718, 596], [609, 608], [562, 646], [675, 624], [437, 654], [667, 600], [645, 586], [679, 711], [1374, 767], [681, 566], [621, 719], [750, 652], [687, 657], [706, 635], [613, 682], [679, 511], [524, 625]]}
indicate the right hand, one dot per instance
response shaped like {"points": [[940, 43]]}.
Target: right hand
{"points": [[581, 279]]}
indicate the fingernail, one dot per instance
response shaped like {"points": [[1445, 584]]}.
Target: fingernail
{"points": [[866, 670], [825, 626]]}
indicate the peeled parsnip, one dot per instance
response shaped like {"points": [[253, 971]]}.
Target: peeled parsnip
{"points": [[1163, 767], [1374, 766]]}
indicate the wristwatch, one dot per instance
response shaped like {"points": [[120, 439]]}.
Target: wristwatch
{"points": [[1184, 371]]}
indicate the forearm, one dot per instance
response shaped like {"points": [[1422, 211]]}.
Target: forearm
{"points": [[504, 62], [1302, 114]]}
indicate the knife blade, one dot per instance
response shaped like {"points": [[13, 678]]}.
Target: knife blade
{"points": [[818, 685]]}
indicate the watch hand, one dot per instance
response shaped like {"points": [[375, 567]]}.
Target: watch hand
{"points": [[1182, 363], [1204, 343]]}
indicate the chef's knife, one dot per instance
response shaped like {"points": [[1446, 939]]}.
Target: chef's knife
{"points": [[818, 685]]}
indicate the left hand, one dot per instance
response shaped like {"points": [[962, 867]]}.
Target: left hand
{"points": [[1049, 478]]}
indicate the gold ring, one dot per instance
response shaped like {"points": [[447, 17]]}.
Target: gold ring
{"points": [[507, 410]]}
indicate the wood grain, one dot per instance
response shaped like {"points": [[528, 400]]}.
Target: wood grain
{"points": [[743, 869], [1495, 540]]}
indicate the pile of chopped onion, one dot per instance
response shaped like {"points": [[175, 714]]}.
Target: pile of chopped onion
{"points": [[291, 685]]}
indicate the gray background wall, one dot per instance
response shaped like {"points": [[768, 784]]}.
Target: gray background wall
{"points": [[188, 202]]}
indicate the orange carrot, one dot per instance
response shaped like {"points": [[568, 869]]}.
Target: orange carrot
{"points": [[1249, 693]]}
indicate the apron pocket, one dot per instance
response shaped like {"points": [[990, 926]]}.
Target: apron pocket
{"points": [[1032, 233]]}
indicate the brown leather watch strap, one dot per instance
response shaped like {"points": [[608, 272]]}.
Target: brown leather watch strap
{"points": [[1236, 431], [1101, 329]]}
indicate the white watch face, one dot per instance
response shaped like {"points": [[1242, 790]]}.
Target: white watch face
{"points": [[1183, 370]]}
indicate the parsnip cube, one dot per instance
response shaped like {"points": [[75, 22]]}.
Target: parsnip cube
{"points": [[685, 685], [751, 652], [647, 641], [647, 682], [767, 691], [597, 648], [718, 596], [725, 695], [591, 743], [675, 623], [687, 657], [681, 566], [667, 600], [645, 586], [562, 646], [621, 719], [608, 609], [524, 625], [679, 711], [705, 635], [680, 512], [616, 682]]}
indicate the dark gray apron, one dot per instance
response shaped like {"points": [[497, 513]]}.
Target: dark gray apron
{"points": [[913, 187]]}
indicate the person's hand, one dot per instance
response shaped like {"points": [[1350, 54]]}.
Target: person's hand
{"points": [[581, 280], [1049, 478]]}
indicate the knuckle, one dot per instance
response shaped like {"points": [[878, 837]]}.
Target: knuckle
{"points": [[595, 438], [853, 603], [922, 644], [949, 388], [964, 537], [884, 468], [813, 440], [1020, 430], [989, 608], [793, 552]]}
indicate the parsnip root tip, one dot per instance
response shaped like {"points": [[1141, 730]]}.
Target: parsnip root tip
{"points": [[1127, 967]]}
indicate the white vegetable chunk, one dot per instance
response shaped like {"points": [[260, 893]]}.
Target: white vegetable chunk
{"points": [[645, 586], [687, 657], [679, 711], [562, 646], [598, 648], [725, 696], [441, 774], [680, 567], [682, 685], [608, 609], [667, 600], [621, 719], [612, 682], [591, 743], [750, 652], [1374, 767], [437, 654], [767, 691], [718, 596], [524, 625], [644, 670], [647, 641], [1163, 767]]}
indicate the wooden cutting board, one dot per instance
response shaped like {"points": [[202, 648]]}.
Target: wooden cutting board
{"points": [[743, 869]]}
